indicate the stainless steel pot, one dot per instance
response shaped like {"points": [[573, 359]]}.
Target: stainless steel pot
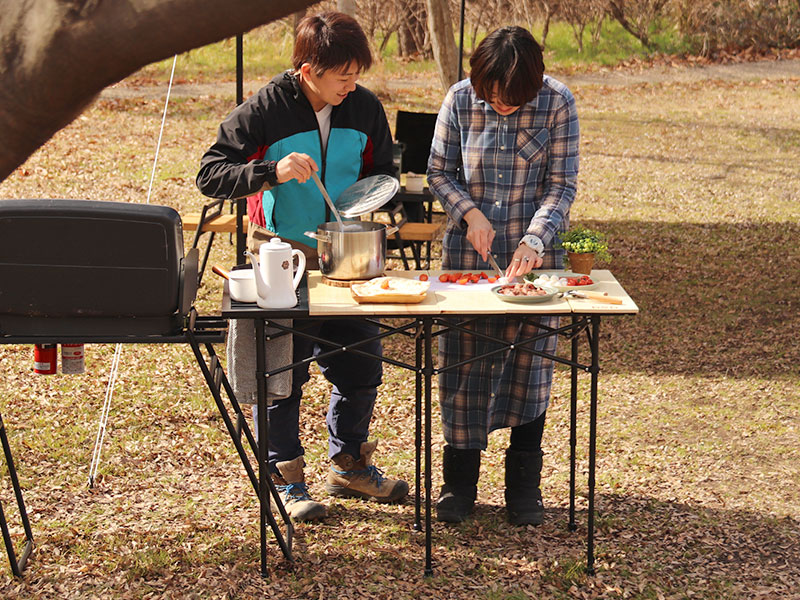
{"points": [[356, 252]]}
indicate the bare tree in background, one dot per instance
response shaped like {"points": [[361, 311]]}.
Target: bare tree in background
{"points": [[533, 12], [548, 9], [412, 31], [581, 14], [443, 42], [638, 16], [57, 55]]}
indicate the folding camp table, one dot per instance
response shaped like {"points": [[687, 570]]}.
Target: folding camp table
{"points": [[442, 310]]}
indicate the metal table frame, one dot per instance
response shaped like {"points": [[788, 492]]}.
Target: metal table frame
{"points": [[422, 329], [199, 333]]}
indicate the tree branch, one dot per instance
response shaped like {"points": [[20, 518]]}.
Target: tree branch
{"points": [[57, 55]]}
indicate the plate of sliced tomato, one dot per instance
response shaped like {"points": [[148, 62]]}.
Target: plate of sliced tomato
{"points": [[466, 278], [574, 281]]}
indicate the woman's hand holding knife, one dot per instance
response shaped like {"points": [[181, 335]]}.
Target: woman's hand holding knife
{"points": [[480, 234]]}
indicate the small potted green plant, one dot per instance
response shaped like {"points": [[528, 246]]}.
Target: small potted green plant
{"points": [[583, 246]]}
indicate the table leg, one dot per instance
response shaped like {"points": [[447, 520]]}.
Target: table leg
{"points": [[418, 429], [263, 437], [573, 425], [427, 328], [595, 370], [17, 565]]}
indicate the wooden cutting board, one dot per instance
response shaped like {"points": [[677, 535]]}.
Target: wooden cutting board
{"points": [[328, 300]]}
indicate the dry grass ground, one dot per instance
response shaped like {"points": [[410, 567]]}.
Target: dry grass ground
{"points": [[698, 479]]}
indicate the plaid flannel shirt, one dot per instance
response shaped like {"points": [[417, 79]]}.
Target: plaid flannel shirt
{"points": [[521, 171]]}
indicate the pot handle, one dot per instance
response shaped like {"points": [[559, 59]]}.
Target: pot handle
{"points": [[320, 237], [391, 230]]}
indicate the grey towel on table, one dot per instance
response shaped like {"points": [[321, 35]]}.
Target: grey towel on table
{"points": [[242, 361]]}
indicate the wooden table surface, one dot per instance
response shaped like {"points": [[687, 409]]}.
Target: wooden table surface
{"points": [[463, 299]]}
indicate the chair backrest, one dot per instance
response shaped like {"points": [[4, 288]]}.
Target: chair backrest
{"points": [[415, 131], [95, 264]]}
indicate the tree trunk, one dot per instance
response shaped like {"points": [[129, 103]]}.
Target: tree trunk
{"points": [[59, 54], [617, 10], [445, 51], [550, 9]]}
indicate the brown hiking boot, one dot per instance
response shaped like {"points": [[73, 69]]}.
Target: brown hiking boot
{"points": [[349, 477], [291, 483]]}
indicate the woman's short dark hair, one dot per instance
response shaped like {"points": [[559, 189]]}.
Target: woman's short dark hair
{"points": [[512, 59], [330, 40]]}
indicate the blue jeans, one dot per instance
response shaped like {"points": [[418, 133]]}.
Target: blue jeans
{"points": [[355, 380]]}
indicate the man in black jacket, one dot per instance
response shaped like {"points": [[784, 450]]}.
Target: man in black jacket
{"points": [[312, 118]]}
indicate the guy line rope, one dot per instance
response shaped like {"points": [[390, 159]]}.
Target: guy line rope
{"points": [[112, 378]]}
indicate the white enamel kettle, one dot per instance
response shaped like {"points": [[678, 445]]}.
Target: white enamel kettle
{"points": [[273, 269]]}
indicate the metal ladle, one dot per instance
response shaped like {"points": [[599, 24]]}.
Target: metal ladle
{"points": [[325, 195]]}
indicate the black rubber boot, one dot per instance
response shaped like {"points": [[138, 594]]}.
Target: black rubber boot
{"points": [[460, 469], [523, 496]]}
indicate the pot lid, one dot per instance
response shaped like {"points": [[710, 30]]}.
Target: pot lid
{"points": [[366, 195]]}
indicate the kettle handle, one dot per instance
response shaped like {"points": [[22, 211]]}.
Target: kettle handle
{"points": [[301, 266]]}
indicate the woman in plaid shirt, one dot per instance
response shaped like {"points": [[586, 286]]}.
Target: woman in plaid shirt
{"points": [[504, 163]]}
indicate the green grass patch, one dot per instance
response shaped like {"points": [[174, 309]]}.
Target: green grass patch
{"points": [[614, 45]]}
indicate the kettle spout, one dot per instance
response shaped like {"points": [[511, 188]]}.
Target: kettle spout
{"points": [[261, 285]]}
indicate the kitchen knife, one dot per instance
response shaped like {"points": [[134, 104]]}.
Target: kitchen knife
{"points": [[496, 268], [596, 296]]}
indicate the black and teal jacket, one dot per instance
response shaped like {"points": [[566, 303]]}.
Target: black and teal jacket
{"points": [[279, 120]]}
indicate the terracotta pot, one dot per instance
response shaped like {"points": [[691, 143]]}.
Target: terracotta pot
{"points": [[581, 263]]}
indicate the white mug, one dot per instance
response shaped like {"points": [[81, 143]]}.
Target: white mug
{"points": [[414, 183]]}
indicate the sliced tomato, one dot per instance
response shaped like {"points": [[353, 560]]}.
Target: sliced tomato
{"points": [[572, 281], [483, 275], [385, 284], [463, 281], [444, 277], [492, 279], [475, 278], [423, 277]]}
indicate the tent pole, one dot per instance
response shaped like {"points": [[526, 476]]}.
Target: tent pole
{"points": [[241, 203], [461, 44]]}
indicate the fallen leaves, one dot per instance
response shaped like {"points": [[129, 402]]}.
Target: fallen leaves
{"points": [[698, 487]]}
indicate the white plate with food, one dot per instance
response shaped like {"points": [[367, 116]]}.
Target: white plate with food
{"points": [[523, 293], [563, 281]]}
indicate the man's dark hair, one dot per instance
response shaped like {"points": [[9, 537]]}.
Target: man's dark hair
{"points": [[330, 40], [512, 59]]}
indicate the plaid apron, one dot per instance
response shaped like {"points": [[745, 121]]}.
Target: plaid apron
{"points": [[521, 172], [505, 390]]}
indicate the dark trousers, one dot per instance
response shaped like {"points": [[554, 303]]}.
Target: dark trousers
{"points": [[355, 380]]}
